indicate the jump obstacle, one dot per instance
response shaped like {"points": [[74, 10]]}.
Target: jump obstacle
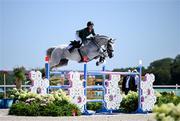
{"points": [[111, 92]]}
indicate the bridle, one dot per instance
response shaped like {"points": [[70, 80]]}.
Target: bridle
{"points": [[99, 46]]}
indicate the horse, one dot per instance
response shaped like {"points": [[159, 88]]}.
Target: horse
{"points": [[97, 47]]}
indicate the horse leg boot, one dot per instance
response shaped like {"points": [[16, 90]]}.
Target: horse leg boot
{"points": [[101, 60]]}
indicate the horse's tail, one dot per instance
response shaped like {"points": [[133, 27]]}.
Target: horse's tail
{"points": [[49, 51]]}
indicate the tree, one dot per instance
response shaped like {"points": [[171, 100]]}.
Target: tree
{"points": [[161, 69], [166, 70], [175, 70], [19, 74]]}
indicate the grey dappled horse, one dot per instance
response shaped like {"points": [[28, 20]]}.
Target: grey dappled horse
{"points": [[98, 47]]}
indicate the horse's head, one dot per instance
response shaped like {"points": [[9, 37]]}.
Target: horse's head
{"points": [[110, 48], [106, 43]]}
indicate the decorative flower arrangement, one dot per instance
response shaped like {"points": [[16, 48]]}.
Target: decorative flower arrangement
{"points": [[167, 112], [57, 102], [24, 95]]}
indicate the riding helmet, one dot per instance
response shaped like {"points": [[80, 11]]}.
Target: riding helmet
{"points": [[89, 23]]}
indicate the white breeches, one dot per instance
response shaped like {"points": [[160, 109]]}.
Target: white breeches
{"points": [[77, 37]]}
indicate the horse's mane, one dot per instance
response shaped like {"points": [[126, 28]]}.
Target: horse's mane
{"points": [[101, 36]]}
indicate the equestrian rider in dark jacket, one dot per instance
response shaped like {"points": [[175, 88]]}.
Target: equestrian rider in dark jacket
{"points": [[81, 38], [84, 33], [81, 35]]}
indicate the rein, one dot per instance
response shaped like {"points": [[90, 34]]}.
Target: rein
{"points": [[100, 47]]}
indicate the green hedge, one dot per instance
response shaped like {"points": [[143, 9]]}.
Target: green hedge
{"points": [[94, 106], [129, 102], [23, 109], [167, 112], [55, 104], [166, 97], [36, 109]]}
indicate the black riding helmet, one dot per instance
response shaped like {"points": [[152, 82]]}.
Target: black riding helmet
{"points": [[89, 23]]}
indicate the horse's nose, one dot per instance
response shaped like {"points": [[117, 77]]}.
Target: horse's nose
{"points": [[111, 55]]}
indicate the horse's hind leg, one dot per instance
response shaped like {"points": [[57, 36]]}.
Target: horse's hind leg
{"points": [[63, 62], [56, 57]]}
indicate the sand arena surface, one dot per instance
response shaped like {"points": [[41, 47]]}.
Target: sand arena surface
{"points": [[100, 117]]}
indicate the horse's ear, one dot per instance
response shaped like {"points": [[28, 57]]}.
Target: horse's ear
{"points": [[112, 40]]}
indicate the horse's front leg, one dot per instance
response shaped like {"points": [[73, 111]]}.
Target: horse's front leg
{"points": [[101, 60]]}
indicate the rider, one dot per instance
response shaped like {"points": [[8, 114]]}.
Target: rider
{"points": [[81, 35], [84, 33]]}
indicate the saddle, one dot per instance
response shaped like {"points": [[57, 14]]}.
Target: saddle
{"points": [[75, 44], [82, 51]]}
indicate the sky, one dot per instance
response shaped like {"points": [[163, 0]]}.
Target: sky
{"points": [[143, 29]]}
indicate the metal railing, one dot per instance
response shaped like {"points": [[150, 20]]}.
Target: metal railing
{"points": [[176, 87], [168, 88], [6, 86]]}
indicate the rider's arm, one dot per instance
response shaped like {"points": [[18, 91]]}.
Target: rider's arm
{"points": [[93, 33]]}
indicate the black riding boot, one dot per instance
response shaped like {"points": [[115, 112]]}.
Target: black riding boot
{"points": [[71, 49], [74, 44]]}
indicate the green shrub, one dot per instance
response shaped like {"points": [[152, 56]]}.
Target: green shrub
{"points": [[24, 109], [51, 110], [167, 112], [166, 97], [94, 106], [68, 108], [167, 107], [129, 102], [36, 109], [54, 104]]}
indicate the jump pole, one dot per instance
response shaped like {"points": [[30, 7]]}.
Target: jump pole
{"points": [[104, 109], [103, 72], [139, 110], [47, 68], [85, 85], [85, 73]]}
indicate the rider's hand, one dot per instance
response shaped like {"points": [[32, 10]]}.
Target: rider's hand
{"points": [[92, 38]]}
